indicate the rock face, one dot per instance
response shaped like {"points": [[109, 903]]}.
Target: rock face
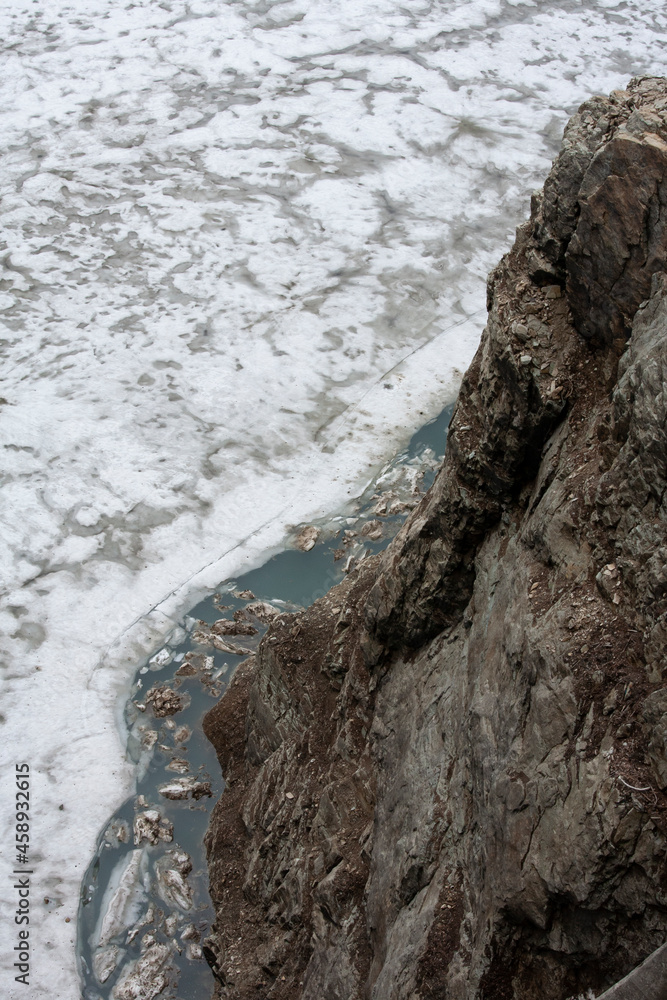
{"points": [[601, 224], [447, 778]]}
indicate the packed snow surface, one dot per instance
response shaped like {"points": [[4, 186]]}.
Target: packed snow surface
{"points": [[245, 253]]}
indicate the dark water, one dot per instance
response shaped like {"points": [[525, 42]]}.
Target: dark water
{"points": [[147, 916]]}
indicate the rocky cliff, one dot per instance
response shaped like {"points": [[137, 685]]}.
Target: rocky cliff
{"points": [[447, 777]]}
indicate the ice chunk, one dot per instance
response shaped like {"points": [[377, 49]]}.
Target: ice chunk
{"points": [[122, 900], [172, 871]]}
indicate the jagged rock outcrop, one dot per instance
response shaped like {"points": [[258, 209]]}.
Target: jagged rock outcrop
{"points": [[447, 778]]}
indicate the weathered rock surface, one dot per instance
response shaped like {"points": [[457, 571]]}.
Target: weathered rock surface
{"points": [[447, 777], [602, 223]]}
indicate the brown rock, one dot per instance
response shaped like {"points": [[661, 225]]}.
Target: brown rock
{"points": [[476, 745]]}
